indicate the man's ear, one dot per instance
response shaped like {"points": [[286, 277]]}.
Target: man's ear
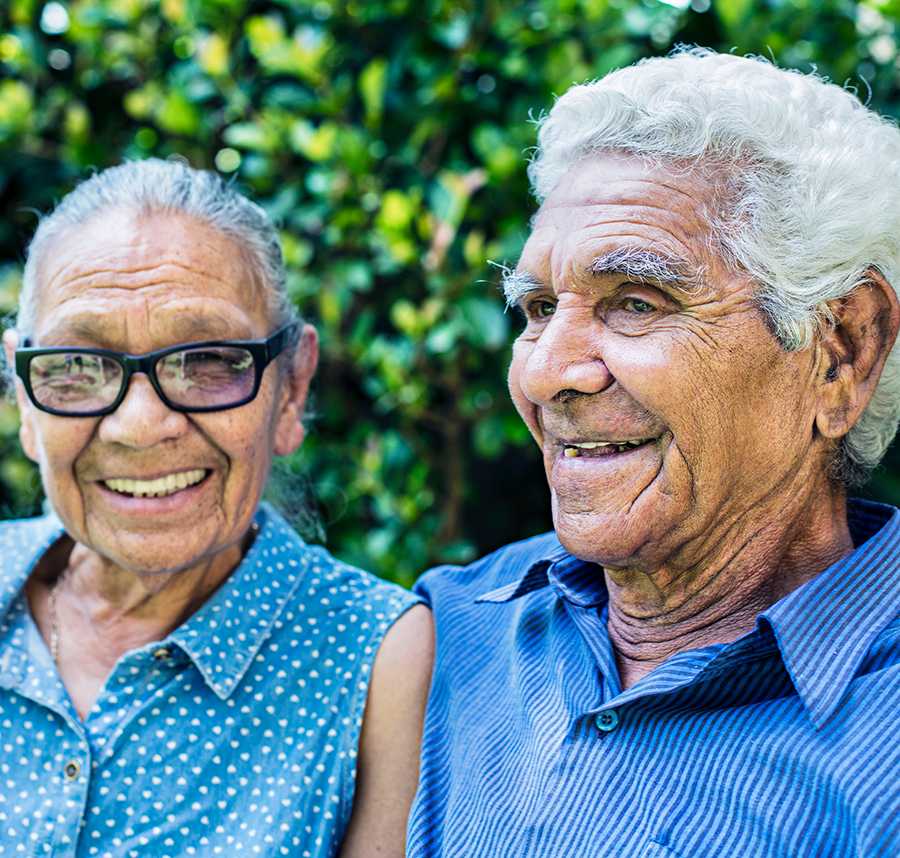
{"points": [[289, 422], [854, 350], [26, 412]]}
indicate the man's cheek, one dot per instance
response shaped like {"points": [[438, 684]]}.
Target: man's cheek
{"points": [[528, 411]]}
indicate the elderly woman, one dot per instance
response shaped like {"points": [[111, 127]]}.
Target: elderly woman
{"points": [[179, 673]]}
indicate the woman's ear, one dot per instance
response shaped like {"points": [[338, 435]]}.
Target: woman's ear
{"points": [[855, 348], [289, 430], [26, 412]]}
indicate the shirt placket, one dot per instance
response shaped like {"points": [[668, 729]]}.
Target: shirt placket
{"points": [[60, 790], [678, 672]]}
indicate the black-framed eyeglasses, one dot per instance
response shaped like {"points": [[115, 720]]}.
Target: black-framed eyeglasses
{"points": [[192, 377]]}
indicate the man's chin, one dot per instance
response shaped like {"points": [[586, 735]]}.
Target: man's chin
{"points": [[612, 537]]}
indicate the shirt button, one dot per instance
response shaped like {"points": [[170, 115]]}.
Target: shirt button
{"points": [[72, 770], [607, 721], [161, 654]]}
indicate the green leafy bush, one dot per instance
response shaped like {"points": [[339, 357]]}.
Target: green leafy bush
{"points": [[387, 140]]}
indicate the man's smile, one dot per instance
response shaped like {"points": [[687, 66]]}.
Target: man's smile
{"points": [[603, 460], [574, 449]]}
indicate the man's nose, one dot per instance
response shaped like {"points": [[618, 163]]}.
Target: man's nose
{"points": [[142, 419], [566, 359]]}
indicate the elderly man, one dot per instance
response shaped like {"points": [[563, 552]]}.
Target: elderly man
{"points": [[704, 659], [179, 673]]}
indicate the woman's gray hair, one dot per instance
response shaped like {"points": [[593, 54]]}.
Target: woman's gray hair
{"points": [[164, 186], [156, 186], [811, 203]]}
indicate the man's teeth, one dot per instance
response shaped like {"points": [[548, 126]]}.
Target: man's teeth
{"points": [[571, 450], [158, 488]]}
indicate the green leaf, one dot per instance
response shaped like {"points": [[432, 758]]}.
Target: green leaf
{"points": [[733, 13], [372, 85], [317, 144], [300, 54], [397, 211], [177, 115], [250, 135], [485, 324], [16, 108]]}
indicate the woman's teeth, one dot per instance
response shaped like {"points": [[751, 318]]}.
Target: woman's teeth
{"points": [[572, 451], [157, 488]]}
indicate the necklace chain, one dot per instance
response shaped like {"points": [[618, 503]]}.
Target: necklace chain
{"points": [[54, 622], [54, 608]]}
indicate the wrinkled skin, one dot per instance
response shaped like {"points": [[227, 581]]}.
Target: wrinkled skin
{"points": [[134, 284], [734, 478]]}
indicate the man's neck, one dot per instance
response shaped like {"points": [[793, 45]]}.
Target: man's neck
{"points": [[679, 607]]}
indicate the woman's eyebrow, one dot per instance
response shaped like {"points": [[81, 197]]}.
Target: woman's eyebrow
{"points": [[95, 330]]}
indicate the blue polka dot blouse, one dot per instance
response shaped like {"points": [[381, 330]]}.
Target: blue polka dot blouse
{"points": [[236, 735]]}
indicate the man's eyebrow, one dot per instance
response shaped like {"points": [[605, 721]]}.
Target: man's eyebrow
{"points": [[633, 263], [517, 284], [645, 265]]}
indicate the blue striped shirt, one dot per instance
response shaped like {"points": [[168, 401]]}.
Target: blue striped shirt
{"points": [[781, 743]]}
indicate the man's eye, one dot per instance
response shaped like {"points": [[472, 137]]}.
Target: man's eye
{"points": [[636, 305], [541, 309]]}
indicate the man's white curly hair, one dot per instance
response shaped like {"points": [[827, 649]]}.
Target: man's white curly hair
{"points": [[813, 187]]}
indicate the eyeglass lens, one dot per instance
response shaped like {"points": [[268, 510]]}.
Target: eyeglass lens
{"points": [[208, 376], [74, 382], [191, 378]]}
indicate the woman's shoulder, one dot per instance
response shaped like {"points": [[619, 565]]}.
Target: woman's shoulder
{"points": [[22, 543], [326, 585], [29, 530], [350, 593]]}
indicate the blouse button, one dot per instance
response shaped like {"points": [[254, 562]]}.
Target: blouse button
{"points": [[72, 770], [161, 654]]}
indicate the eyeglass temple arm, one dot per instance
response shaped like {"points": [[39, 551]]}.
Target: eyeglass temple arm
{"points": [[280, 340]]}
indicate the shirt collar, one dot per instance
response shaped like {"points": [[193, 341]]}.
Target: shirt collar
{"points": [[32, 538], [37, 535], [533, 578], [823, 629], [574, 580], [224, 636]]}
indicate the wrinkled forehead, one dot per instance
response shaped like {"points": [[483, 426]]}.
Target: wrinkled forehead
{"points": [[610, 201], [618, 176], [123, 264]]}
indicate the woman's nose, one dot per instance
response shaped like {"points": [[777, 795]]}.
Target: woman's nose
{"points": [[142, 419]]}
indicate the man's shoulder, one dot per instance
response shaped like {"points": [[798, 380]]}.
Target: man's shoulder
{"points": [[500, 568]]}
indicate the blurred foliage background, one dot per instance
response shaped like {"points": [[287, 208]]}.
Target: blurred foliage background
{"points": [[388, 140]]}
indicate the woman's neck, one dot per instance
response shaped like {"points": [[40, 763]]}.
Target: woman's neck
{"points": [[92, 612]]}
